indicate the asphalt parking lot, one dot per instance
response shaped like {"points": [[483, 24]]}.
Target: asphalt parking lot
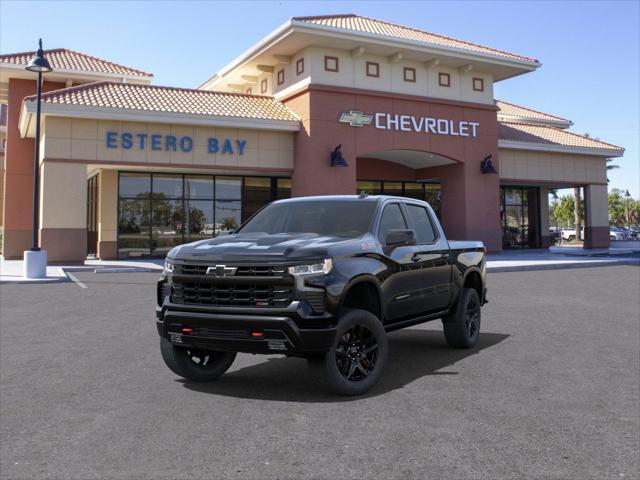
{"points": [[552, 390]]}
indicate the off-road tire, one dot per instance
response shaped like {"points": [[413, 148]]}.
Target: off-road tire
{"points": [[181, 361], [462, 328], [357, 357]]}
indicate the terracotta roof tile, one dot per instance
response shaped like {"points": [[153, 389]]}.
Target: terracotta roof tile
{"points": [[369, 25], [546, 135], [512, 110], [153, 98], [65, 59]]}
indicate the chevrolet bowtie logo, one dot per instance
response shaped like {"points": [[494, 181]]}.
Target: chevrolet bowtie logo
{"points": [[355, 119], [221, 271]]}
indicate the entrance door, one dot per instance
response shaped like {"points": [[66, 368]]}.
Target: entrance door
{"points": [[92, 216], [520, 217]]}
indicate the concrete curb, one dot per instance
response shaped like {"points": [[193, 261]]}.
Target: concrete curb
{"points": [[561, 266]]}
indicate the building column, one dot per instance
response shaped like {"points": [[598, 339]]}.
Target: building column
{"points": [[596, 205], [470, 203], [108, 215], [543, 211], [63, 211]]}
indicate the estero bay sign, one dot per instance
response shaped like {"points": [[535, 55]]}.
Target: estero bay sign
{"points": [[411, 123], [171, 143]]}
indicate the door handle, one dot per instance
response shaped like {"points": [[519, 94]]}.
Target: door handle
{"points": [[415, 257]]}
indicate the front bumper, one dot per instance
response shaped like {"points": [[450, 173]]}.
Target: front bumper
{"points": [[292, 330]]}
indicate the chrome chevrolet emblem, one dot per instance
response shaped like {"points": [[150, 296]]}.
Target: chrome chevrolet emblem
{"points": [[221, 271], [355, 119]]}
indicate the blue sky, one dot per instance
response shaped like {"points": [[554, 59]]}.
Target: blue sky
{"points": [[589, 50]]}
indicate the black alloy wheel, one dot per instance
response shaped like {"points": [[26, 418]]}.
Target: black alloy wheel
{"points": [[195, 364], [356, 353], [358, 356], [462, 327]]}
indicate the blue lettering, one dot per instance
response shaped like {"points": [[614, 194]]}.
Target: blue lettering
{"points": [[127, 140], [111, 140], [142, 137], [186, 144], [170, 143], [155, 142], [241, 144], [227, 148], [213, 145]]}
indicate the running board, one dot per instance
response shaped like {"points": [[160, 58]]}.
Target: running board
{"points": [[416, 321]]}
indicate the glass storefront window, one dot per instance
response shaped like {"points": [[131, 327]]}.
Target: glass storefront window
{"points": [[228, 188], [167, 186], [257, 193], [199, 221], [392, 188], [135, 185], [519, 217], [159, 211], [228, 216], [198, 187], [284, 188], [432, 195], [414, 190], [133, 228], [370, 188]]}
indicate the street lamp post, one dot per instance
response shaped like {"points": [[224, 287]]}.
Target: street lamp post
{"points": [[627, 195], [35, 260]]}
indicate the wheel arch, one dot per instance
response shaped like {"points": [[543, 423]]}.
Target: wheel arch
{"points": [[363, 292], [473, 279]]}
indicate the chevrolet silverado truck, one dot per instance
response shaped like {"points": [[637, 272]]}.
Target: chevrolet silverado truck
{"points": [[325, 278]]}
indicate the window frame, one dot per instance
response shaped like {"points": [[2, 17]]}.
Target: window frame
{"points": [[263, 85], [372, 64], [405, 70], [443, 75], [280, 76], [328, 58], [300, 66], [481, 83]]}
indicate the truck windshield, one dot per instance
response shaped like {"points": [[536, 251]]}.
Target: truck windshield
{"points": [[343, 218]]}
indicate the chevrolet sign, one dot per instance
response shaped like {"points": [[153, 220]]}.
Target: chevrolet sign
{"points": [[410, 123]]}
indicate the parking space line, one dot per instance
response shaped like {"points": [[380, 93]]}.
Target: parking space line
{"points": [[75, 280]]}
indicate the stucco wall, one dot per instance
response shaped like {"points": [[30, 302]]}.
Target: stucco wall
{"points": [[522, 165], [352, 73], [80, 139]]}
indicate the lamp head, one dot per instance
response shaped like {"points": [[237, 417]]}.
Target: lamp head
{"points": [[486, 166], [39, 63], [337, 160]]}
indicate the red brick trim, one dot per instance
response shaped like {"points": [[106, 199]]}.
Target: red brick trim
{"points": [[169, 166]]}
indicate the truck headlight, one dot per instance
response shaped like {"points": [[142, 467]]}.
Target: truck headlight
{"points": [[316, 268], [168, 266]]}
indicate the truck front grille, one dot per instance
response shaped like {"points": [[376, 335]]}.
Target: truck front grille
{"points": [[232, 294], [243, 270]]}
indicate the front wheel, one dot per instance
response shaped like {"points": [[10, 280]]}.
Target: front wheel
{"points": [[195, 364], [357, 357], [462, 328]]}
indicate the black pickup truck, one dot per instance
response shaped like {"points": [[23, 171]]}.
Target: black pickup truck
{"points": [[324, 278]]}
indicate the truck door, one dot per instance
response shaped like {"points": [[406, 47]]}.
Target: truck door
{"points": [[400, 289], [431, 257]]}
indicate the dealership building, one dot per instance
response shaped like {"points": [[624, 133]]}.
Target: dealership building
{"points": [[323, 105]]}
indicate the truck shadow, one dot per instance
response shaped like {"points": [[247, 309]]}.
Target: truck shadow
{"points": [[414, 353]]}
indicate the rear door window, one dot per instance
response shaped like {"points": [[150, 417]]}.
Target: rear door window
{"points": [[419, 218]]}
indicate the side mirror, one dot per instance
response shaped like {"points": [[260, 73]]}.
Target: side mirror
{"points": [[397, 238]]}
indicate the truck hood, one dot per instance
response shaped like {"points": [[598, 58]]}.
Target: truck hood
{"points": [[259, 248]]}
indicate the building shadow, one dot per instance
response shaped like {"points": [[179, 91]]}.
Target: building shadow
{"points": [[414, 354]]}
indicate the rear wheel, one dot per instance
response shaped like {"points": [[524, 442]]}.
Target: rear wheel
{"points": [[357, 357], [462, 328], [195, 364]]}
